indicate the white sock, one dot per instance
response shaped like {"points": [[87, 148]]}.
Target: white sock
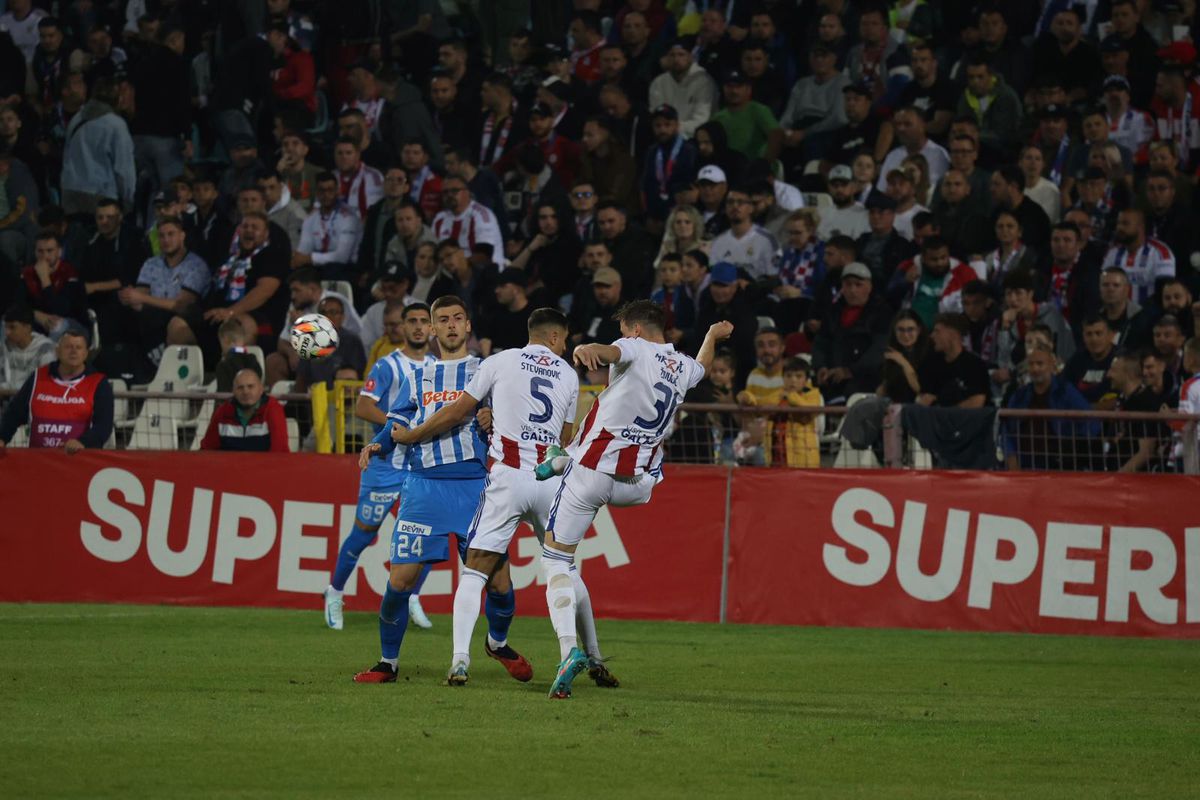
{"points": [[395, 662], [467, 600], [332, 591], [560, 596], [585, 623], [492, 643]]}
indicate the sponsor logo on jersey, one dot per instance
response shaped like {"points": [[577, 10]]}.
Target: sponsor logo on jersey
{"points": [[384, 497], [446, 396], [414, 528], [369, 385]]}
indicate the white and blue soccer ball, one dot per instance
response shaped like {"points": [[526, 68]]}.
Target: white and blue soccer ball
{"points": [[313, 336]]}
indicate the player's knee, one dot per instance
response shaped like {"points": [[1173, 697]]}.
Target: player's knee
{"points": [[500, 583], [402, 582]]}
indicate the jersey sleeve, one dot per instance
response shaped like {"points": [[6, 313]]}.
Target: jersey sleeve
{"points": [[379, 380], [695, 374], [481, 384], [405, 407], [572, 387], [630, 348]]}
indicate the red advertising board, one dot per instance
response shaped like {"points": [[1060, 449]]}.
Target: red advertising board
{"points": [[264, 530], [1064, 553]]}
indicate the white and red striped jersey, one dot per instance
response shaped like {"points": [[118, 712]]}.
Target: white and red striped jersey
{"points": [[476, 224], [1189, 403], [1133, 130], [1145, 266], [361, 189], [624, 430], [534, 393]]}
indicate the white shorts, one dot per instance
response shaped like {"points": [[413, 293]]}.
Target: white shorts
{"points": [[510, 496], [584, 492]]}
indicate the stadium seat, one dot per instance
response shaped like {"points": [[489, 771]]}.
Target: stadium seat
{"points": [[257, 352], [204, 412], [848, 457], [122, 419], [920, 457], [823, 201], [154, 432], [181, 368], [344, 288], [21, 437], [765, 322], [293, 429]]}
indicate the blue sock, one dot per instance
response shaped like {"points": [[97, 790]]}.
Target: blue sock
{"points": [[347, 559], [421, 579], [393, 621], [499, 608]]}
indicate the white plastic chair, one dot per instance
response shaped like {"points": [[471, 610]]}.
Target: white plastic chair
{"points": [[282, 387], [848, 457], [293, 431], [154, 432], [122, 419], [344, 288], [921, 458], [20, 437], [204, 412], [765, 322], [257, 352], [182, 366]]}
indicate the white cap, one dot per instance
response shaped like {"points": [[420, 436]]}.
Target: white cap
{"points": [[711, 173]]}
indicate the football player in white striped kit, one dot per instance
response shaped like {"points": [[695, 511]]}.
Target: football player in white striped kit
{"points": [[533, 392], [616, 458]]}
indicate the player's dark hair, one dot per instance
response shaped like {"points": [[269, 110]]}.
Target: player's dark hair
{"points": [[547, 318], [412, 307], [643, 312], [448, 301], [1095, 319]]}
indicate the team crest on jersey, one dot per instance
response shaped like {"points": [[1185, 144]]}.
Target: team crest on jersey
{"points": [[369, 385]]}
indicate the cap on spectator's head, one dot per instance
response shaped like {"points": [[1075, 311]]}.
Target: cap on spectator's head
{"points": [[394, 272], [555, 86], [735, 76], [605, 276], [683, 43], [841, 174], [819, 48], [1053, 111], [166, 197], [878, 201], [22, 314], [898, 175], [1113, 44], [723, 273], [1179, 52], [856, 269], [554, 51], [1094, 174], [540, 110], [711, 174], [1116, 82], [277, 26], [859, 88], [517, 277], [242, 142], [665, 111]]}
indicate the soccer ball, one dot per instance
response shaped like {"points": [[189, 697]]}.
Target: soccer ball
{"points": [[313, 336]]}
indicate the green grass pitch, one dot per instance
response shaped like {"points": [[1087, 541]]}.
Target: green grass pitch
{"points": [[143, 701]]}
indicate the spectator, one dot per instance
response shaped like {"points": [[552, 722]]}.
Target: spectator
{"points": [[964, 157], [346, 363], [20, 194], [670, 164], [1011, 254], [425, 185], [883, 249], [725, 299], [358, 185], [1177, 301], [551, 258], [1146, 261], [1133, 129], [1168, 221], [932, 282], [51, 60], [168, 285], [331, 234], [465, 220], [459, 277], [908, 346], [392, 285], [685, 86], [913, 139], [560, 153], [112, 259], [962, 224], [1038, 188], [767, 84], [52, 288], [629, 123], [848, 350], [1038, 443], [216, 232], [484, 184], [983, 321], [426, 272], [632, 249], [162, 125], [1065, 53], [1121, 311], [1021, 313], [801, 269], [600, 326], [1155, 378], [281, 208], [866, 131], [791, 440], [234, 355], [1087, 370], [766, 212], [251, 199], [929, 92], [1007, 59], [454, 116], [745, 244], [65, 403], [878, 60], [1074, 278], [607, 166], [23, 350], [1168, 342], [1132, 446], [712, 190], [764, 385], [752, 129], [98, 160], [508, 326], [901, 188], [1008, 194], [712, 143], [251, 421], [502, 130], [410, 232], [847, 217], [684, 232], [244, 167], [296, 171], [951, 375], [1177, 115], [670, 294], [587, 32], [21, 22]]}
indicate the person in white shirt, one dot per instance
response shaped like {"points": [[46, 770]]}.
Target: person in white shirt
{"points": [[745, 244], [848, 217], [359, 185], [1037, 188], [466, 221], [901, 188], [22, 350], [685, 86], [281, 208], [392, 284], [909, 125], [1146, 261], [21, 22], [330, 235]]}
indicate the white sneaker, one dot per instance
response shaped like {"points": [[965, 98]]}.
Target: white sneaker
{"points": [[333, 608], [417, 614]]}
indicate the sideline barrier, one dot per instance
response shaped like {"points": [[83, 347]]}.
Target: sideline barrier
{"points": [[1069, 553]]}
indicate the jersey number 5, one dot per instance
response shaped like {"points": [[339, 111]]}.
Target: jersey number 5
{"points": [[535, 388], [664, 408]]}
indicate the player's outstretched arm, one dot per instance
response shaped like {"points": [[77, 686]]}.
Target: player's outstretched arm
{"points": [[595, 356], [446, 417], [717, 332]]}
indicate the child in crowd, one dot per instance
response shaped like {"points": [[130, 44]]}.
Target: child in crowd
{"points": [[234, 355], [785, 439], [670, 295]]}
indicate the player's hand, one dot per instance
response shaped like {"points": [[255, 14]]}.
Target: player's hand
{"points": [[402, 435], [720, 331], [72, 446], [364, 456], [484, 419], [588, 355]]}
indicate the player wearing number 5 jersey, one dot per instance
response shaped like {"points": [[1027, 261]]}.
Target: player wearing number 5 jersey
{"points": [[444, 481], [533, 392], [616, 457]]}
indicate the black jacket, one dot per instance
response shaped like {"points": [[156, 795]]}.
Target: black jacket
{"points": [[858, 347]]}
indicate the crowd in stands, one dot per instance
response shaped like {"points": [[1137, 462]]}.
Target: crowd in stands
{"points": [[944, 202]]}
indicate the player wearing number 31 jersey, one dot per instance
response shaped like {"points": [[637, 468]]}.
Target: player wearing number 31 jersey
{"points": [[615, 459]]}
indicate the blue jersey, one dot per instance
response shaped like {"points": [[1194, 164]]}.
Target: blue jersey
{"points": [[459, 452], [383, 385]]}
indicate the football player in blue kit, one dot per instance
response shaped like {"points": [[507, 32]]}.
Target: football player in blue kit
{"points": [[442, 491], [381, 483]]}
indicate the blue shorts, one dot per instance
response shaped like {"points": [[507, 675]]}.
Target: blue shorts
{"points": [[430, 511], [376, 500]]}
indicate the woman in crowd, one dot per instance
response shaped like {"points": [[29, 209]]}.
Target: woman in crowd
{"points": [[684, 233], [1010, 254], [713, 144], [866, 172], [917, 168], [551, 259], [908, 346], [1038, 188]]}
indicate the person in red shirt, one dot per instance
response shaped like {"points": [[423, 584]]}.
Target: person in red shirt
{"points": [[588, 34], [425, 184], [252, 421], [294, 80], [52, 287]]}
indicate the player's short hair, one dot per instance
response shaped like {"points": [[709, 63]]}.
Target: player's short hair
{"points": [[448, 301], [675, 257], [642, 312], [107, 202], [543, 318], [796, 364], [1169, 321], [414, 307]]}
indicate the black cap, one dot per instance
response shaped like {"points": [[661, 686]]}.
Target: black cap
{"points": [[859, 88], [166, 197], [1094, 174], [735, 76], [878, 201], [665, 111], [540, 110], [685, 42], [1113, 44], [242, 141], [1054, 111], [516, 277], [819, 48], [394, 272]]}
